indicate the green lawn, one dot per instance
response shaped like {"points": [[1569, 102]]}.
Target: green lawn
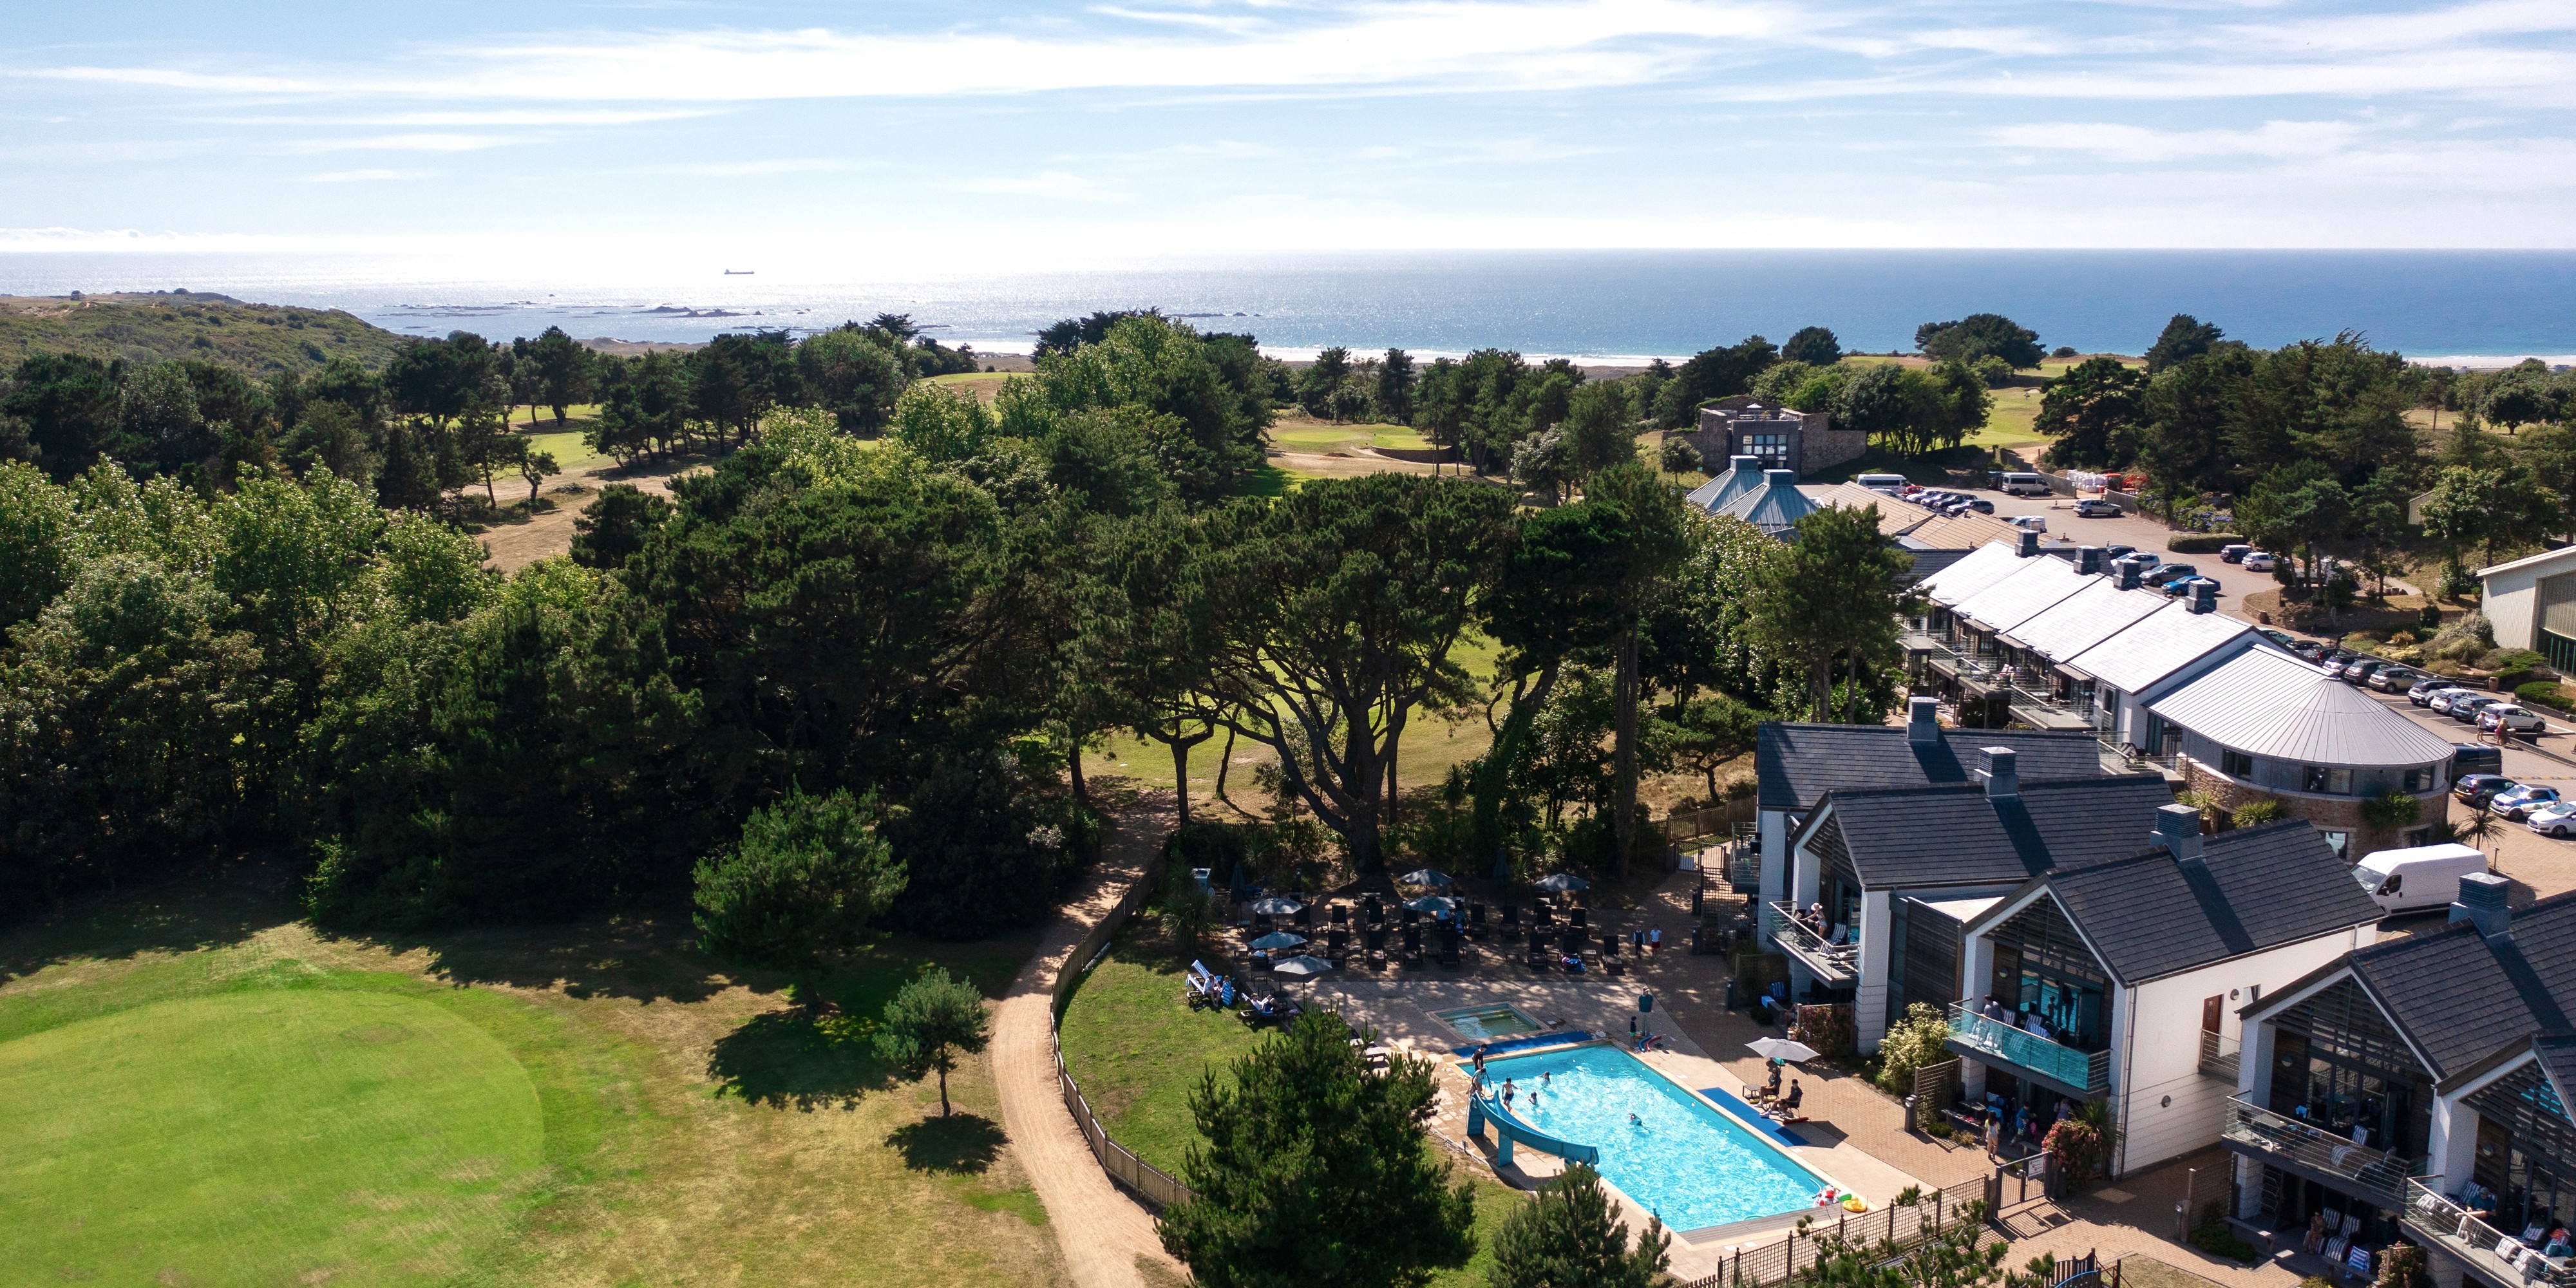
{"points": [[1299, 434], [1138, 1051], [570, 452], [195, 1089]]}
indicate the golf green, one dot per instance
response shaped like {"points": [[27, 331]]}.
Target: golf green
{"points": [[266, 1137]]}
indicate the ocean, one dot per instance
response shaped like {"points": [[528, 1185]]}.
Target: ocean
{"points": [[2476, 307]]}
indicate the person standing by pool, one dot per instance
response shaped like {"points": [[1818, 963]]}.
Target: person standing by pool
{"points": [[1508, 1092], [1994, 1134]]}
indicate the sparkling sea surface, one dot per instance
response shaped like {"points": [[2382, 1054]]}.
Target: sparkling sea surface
{"points": [[1681, 1160], [1607, 305]]}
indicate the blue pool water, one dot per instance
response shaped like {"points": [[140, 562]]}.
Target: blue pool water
{"points": [[1683, 1161]]}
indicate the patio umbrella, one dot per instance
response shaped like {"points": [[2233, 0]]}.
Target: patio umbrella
{"points": [[1278, 939], [1275, 907], [1557, 881], [1426, 877], [1782, 1049], [1301, 966], [1432, 903]]}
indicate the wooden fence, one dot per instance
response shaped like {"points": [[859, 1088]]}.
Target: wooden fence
{"points": [[1141, 1178], [1778, 1261], [1708, 820]]}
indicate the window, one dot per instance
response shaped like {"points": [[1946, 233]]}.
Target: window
{"points": [[2235, 764], [2415, 836], [2335, 841], [2330, 781], [2419, 779], [1773, 448]]}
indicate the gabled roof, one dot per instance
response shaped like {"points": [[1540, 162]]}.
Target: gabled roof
{"points": [[2148, 916], [2460, 997], [1984, 566], [2158, 645], [2271, 704], [2085, 618], [1968, 531], [2563, 555], [1895, 518], [2039, 584], [1729, 483], [1796, 764], [1775, 506], [1957, 835], [2556, 1054]]}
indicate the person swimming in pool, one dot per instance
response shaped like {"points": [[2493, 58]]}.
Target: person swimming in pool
{"points": [[1547, 1078], [1633, 1120], [1508, 1092]]}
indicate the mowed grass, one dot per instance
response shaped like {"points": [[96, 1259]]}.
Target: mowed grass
{"points": [[1139, 1050], [195, 1088], [258, 1138], [1299, 433]]}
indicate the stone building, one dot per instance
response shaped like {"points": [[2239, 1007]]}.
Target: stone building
{"points": [[1775, 436]]}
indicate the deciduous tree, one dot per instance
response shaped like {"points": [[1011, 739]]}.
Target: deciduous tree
{"points": [[930, 1023]]}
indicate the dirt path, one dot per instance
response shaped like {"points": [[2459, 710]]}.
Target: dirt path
{"points": [[1103, 1233], [512, 546]]}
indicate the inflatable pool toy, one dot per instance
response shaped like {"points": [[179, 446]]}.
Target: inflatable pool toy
{"points": [[1855, 1203]]}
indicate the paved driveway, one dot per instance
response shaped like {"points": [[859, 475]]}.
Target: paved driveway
{"points": [[2234, 583]]}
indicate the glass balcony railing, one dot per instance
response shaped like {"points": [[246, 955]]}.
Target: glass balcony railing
{"points": [[2438, 1221], [2219, 1056], [1836, 963], [1995, 1042], [2358, 1170]]}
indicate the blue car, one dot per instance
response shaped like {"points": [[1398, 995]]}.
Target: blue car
{"points": [[2181, 586], [2519, 800]]}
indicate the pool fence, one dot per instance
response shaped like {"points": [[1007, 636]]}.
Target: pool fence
{"points": [[1142, 1179], [1767, 1261]]}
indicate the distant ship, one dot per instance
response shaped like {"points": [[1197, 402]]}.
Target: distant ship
{"points": [[739, 272]]}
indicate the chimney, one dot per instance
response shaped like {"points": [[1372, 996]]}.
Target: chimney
{"points": [[1780, 478], [1923, 720], [2088, 559], [2029, 543], [2178, 832], [2128, 574], [2204, 596], [1995, 765], [1744, 464], [2482, 902]]}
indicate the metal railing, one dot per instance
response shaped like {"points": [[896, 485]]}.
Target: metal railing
{"points": [[1837, 962], [1994, 1041], [2373, 1174], [1754, 1264], [2219, 1056], [2440, 1222]]}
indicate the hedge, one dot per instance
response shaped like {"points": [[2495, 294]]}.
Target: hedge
{"points": [[2200, 543], [2546, 693]]}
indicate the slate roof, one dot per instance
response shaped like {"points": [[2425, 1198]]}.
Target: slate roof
{"points": [[1895, 517], [2460, 997], [2148, 916], [1775, 506], [2264, 703], [1796, 764], [2084, 619], [2158, 645], [1969, 531], [1984, 566], [1910, 838], [2040, 585], [1928, 559], [1735, 480]]}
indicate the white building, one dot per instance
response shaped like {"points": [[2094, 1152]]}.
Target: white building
{"points": [[2532, 603], [2116, 979]]}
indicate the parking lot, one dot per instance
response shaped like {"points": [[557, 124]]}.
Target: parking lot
{"points": [[2234, 583]]}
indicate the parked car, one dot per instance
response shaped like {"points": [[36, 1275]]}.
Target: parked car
{"points": [[2475, 758], [2020, 483], [2418, 877], [2118, 552], [2394, 678], [2477, 789], [2029, 522], [2517, 801], [2430, 688], [2235, 553], [2260, 561], [2506, 715], [2095, 508], [2359, 672], [2557, 820], [2280, 637], [2163, 573], [2465, 708], [2181, 586], [2446, 699], [1981, 505]]}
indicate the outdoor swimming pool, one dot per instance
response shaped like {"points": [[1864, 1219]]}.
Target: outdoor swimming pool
{"points": [[1681, 1160], [1485, 1023]]}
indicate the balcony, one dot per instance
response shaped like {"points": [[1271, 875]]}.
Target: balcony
{"points": [[2219, 1057], [2437, 1222], [1988, 1041], [2328, 1158], [1837, 964]]}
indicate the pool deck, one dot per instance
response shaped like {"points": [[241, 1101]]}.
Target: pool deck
{"points": [[1401, 1006]]}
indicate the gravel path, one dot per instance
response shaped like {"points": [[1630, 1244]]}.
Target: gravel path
{"points": [[1103, 1232]]}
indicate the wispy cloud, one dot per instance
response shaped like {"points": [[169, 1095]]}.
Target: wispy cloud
{"points": [[363, 176], [2137, 143], [401, 143], [1059, 185]]}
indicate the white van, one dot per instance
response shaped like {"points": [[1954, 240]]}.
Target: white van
{"points": [[2024, 484], [2427, 876], [1896, 481]]}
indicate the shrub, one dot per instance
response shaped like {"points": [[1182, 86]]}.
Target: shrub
{"points": [[2402, 1266], [808, 875], [2544, 693], [2258, 813], [1910, 1044], [2200, 543], [2472, 636], [2404, 639], [2391, 811], [2081, 1150], [2217, 1240], [1680, 457], [2520, 659]]}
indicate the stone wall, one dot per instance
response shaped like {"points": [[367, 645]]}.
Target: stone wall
{"points": [[1822, 447], [2329, 813]]}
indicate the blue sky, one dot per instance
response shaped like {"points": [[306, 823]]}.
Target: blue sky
{"points": [[1157, 126]]}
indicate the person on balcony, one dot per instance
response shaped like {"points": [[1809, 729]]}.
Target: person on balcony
{"points": [[2558, 1244]]}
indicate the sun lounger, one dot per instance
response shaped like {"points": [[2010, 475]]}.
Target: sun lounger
{"points": [[1578, 918], [1511, 917]]}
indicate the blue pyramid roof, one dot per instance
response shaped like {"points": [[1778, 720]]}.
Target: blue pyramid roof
{"points": [[1743, 474], [1775, 506]]}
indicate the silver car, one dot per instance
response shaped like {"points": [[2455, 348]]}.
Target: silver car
{"points": [[2465, 708], [2506, 715], [2440, 700]]}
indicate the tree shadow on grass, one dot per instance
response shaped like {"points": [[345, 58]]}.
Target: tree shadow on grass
{"points": [[204, 903], [962, 1143], [799, 1057]]}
